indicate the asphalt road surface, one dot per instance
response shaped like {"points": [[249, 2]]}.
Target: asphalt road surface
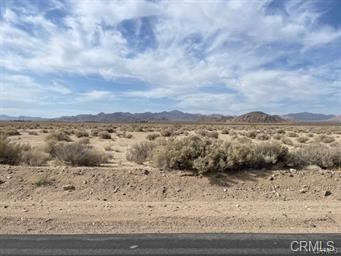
{"points": [[172, 244]]}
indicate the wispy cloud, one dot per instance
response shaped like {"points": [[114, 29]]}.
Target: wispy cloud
{"points": [[264, 52]]}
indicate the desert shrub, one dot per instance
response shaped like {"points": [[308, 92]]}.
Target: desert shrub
{"points": [[128, 136], [110, 129], [104, 135], [326, 139], [166, 132], [262, 136], [84, 140], [302, 139], [316, 154], [209, 134], [44, 131], [33, 133], [287, 141], [268, 154], [35, 157], [152, 136], [281, 131], [10, 153], [94, 132], [58, 136], [77, 154], [225, 131], [310, 135], [43, 181], [9, 132], [81, 133], [108, 148], [179, 153], [139, 152], [251, 134], [277, 136], [292, 134]]}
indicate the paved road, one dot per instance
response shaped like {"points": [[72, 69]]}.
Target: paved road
{"points": [[167, 244]]}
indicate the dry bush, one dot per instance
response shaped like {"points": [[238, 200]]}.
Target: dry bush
{"points": [[166, 132], [292, 134], [58, 136], [277, 136], [104, 135], [35, 157], [33, 133], [152, 136], [43, 181], [94, 132], [225, 131], [209, 134], [139, 152], [10, 153], [262, 136], [81, 133], [302, 139], [77, 154], [326, 139], [251, 134], [9, 132], [316, 154], [310, 135], [281, 131], [108, 148], [287, 141], [84, 140], [44, 131]]}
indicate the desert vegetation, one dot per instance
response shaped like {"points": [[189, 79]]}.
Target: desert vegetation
{"points": [[200, 148]]}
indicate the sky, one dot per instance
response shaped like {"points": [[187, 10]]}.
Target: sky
{"points": [[68, 57]]}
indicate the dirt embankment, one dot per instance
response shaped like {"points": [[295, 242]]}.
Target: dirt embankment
{"points": [[144, 199]]}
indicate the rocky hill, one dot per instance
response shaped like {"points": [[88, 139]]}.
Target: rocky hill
{"points": [[258, 117]]}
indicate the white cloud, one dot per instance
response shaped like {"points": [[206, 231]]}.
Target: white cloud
{"points": [[198, 44]]}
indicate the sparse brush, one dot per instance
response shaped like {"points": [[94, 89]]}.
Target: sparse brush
{"points": [[84, 140], [316, 154], [10, 153], [292, 134], [33, 133], [287, 141], [152, 136], [281, 131], [277, 136], [43, 181], [166, 133], [139, 152], [104, 135], [326, 139], [225, 131], [251, 134], [35, 157], [9, 132], [81, 133], [77, 154], [58, 136], [302, 139], [262, 136]]}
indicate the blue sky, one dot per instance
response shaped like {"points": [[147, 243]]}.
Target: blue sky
{"points": [[67, 57]]}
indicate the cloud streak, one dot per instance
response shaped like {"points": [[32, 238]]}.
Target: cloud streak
{"points": [[258, 50]]}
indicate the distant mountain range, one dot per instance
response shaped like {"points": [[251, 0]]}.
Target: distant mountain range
{"points": [[178, 116]]}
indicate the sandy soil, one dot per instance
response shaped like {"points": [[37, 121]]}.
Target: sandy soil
{"points": [[144, 199]]}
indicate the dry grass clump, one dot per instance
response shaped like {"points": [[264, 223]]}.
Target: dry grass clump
{"points": [[225, 131], [292, 134], [104, 135], [287, 141], [203, 155], [262, 136], [35, 157], [139, 152], [152, 136], [166, 132], [317, 154], [84, 140], [81, 133], [326, 139], [277, 136], [9, 132], [251, 134], [281, 131], [33, 133], [10, 153], [43, 181], [77, 154], [302, 139], [58, 136]]}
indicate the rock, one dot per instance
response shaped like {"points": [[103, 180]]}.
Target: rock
{"points": [[327, 193], [2, 182], [146, 172], [225, 189], [69, 187], [291, 175], [271, 177], [164, 190], [292, 170], [313, 168], [5, 206], [85, 182], [303, 191]]}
